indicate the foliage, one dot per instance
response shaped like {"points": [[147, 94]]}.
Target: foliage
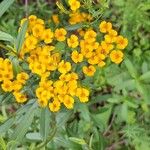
{"points": [[117, 114]]}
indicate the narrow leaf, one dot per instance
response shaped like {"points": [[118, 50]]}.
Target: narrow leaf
{"points": [[24, 124], [21, 36], [131, 68], [6, 125], [44, 123], [4, 5], [6, 37], [145, 76]]}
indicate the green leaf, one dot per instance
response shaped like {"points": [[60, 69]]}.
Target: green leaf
{"points": [[60, 46], [24, 124], [84, 112], [124, 111], [131, 68], [21, 36], [62, 117], [145, 76], [101, 119], [16, 65], [44, 123], [77, 140], [143, 91], [6, 125], [4, 5], [2, 144], [74, 27], [6, 37], [33, 136]]}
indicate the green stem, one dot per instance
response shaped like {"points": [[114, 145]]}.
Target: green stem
{"points": [[48, 140], [52, 135]]}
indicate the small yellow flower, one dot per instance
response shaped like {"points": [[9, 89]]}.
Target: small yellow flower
{"points": [[116, 56], [68, 101], [83, 94], [47, 36], [22, 77], [31, 42], [42, 102], [121, 42], [90, 36], [74, 4], [55, 19], [105, 27], [64, 67], [76, 57], [89, 71], [73, 41], [54, 106], [7, 86], [17, 85], [111, 36], [38, 30], [60, 34], [20, 97]]}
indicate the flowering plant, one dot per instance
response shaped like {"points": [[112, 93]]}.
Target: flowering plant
{"points": [[69, 81]]}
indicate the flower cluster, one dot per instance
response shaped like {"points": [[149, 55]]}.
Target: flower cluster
{"points": [[44, 60], [58, 80], [9, 84]]}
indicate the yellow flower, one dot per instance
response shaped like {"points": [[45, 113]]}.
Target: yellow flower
{"points": [[116, 56], [60, 34], [83, 94], [111, 36], [7, 86], [76, 57], [90, 36], [42, 102], [73, 76], [74, 4], [89, 71], [31, 42], [20, 97], [54, 106], [68, 101], [64, 67], [47, 36], [22, 77], [73, 41], [38, 68], [101, 64], [93, 60], [55, 19], [16, 85], [38, 30], [121, 42], [105, 27]]}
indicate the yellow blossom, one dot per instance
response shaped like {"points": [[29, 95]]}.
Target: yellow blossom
{"points": [[7, 86], [60, 34], [83, 94], [76, 57], [121, 42], [116, 56], [73, 41], [105, 27], [47, 36], [74, 4], [89, 71], [64, 67], [68, 101]]}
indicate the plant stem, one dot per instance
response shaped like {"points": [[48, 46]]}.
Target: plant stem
{"points": [[26, 8]]}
